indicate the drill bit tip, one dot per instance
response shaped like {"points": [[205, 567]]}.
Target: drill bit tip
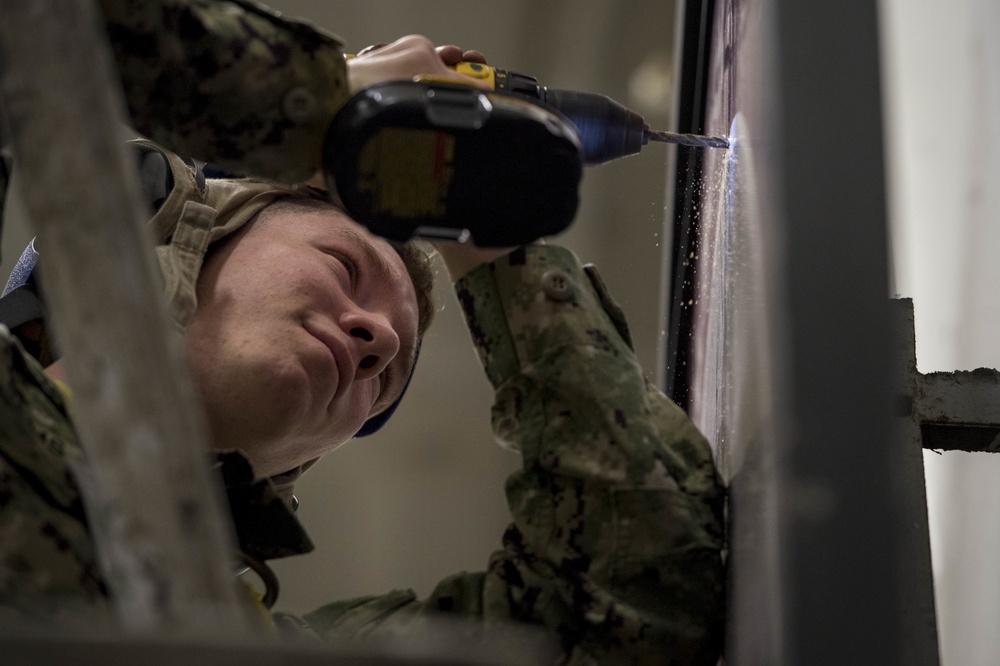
{"points": [[694, 140]]}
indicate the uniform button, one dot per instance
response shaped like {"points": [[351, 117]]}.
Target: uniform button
{"points": [[558, 286], [299, 105]]}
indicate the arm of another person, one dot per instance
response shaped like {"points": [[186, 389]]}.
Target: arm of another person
{"points": [[239, 85], [617, 533]]}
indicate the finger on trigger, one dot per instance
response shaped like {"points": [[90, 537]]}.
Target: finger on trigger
{"points": [[450, 54], [474, 56]]}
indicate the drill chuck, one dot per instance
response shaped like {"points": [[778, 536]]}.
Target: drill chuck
{"points": [[607, 129]]}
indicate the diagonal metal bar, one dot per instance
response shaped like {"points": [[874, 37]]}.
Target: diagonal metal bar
{"points": [[158, 521]]}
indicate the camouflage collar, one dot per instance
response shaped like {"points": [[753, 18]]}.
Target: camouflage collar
{"points": [[265, 525]]}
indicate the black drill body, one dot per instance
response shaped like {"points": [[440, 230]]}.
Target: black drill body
{"points": [[440, 159]]}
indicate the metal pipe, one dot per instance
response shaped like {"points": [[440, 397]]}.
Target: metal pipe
{"points": [[157, 519]]}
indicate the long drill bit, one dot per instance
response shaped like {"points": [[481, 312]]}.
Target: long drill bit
{"points": [[695, 140]]}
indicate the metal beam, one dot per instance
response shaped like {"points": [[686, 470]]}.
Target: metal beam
{"points": [[842, 514], [163, 537], [918, 614]]}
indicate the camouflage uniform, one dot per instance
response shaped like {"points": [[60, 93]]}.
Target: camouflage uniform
{"points": [[232, 83], [617, 510], [617, 531]]}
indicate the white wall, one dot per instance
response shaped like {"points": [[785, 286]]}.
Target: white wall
{"points": [[942, 83]]}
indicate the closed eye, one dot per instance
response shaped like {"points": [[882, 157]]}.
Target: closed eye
{"points": [[348, 264]]}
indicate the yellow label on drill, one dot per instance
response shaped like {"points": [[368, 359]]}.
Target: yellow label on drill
{"points": [[407, 172]]}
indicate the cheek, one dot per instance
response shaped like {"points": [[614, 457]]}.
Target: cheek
{"points": [[251, 265], [338, 426], [356, 406], [252, 301]]}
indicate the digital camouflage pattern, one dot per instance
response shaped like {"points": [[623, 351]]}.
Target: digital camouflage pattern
{"points": [[617, 511], [47, 563], [615, 545], [48, 566], [232, 83]]}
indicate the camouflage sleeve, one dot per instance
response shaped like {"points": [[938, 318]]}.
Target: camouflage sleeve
{"points": [[617, 534], [232, 83], [48, 569]]}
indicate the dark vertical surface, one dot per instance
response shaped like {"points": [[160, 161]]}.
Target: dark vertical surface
{"points": [[918, 618], [820, 570], [696, 34], [842, 516], [163, 539]]}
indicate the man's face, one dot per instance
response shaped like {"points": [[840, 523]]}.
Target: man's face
{"points": [[306, 326]]}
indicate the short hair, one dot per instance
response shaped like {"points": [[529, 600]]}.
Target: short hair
{"points": [[416, 260]]}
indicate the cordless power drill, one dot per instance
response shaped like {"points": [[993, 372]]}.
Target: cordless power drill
{"points": [[436, 159]]}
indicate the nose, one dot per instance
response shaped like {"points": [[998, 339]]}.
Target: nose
{"points": [[374, 340]]}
